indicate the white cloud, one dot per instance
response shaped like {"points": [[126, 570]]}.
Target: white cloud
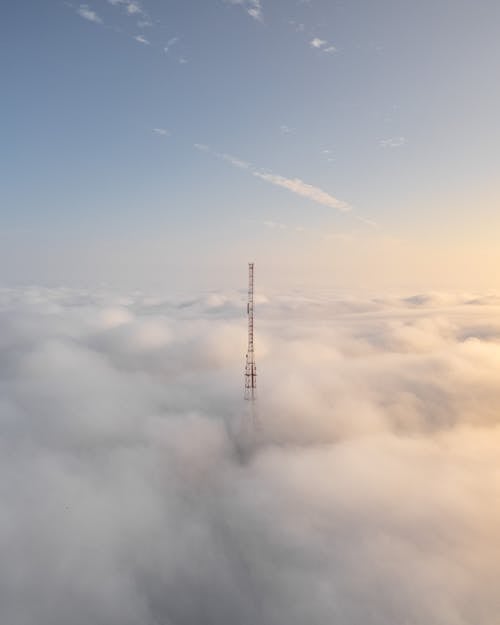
{"points": [[162, 132], [329, 156], [275, 225], [344, 237], [295, 185], [367, 222], [88, 14], [252, 7], [235, 161], [393, 142], [298, 186], [370, 492], [171, 42], [317, 43], [229, 158], [142, 39], [321, 44], [133, 8]]}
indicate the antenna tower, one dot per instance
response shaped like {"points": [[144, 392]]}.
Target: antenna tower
{"points": [[250, 369]]}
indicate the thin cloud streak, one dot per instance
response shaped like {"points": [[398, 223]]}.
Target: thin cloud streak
{"points": [[88, 14], [294, 185], [393, 142], [171, 42], [299, 187], [368, 222]]}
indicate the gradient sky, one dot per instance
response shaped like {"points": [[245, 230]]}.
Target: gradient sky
{"points": [[343, 143]]}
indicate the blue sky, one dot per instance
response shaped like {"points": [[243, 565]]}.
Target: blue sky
{"points": [[344, 143]]}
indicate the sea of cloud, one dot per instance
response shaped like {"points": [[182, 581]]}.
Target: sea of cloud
{"points": [[137, 487]]}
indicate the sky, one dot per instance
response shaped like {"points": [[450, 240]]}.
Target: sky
{"points": [[344, 144], [150, 150]]}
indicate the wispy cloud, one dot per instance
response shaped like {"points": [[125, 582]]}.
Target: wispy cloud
{"points": [[277, 225], [142, 39], [252, 7], [274, 225], [317, 43], [171, 42], [286, 130], [322, 44], [162, 132], [298, 26], [345, 237], [229, 158], [87, 13], [130, 6], [298, 186], [294, 185], [328, 154], [133, 8], [368, 222], [393, 142]]}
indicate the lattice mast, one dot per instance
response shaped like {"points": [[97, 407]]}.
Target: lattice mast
{"points": [[250, 369]]}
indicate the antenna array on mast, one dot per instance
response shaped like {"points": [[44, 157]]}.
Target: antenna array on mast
{"points": [[250, 369]]}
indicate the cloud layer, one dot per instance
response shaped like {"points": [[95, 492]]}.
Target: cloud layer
{"points": [[131, 491]]}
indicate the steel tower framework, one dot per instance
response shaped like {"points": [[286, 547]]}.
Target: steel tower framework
{"points": [[250, 369]]}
